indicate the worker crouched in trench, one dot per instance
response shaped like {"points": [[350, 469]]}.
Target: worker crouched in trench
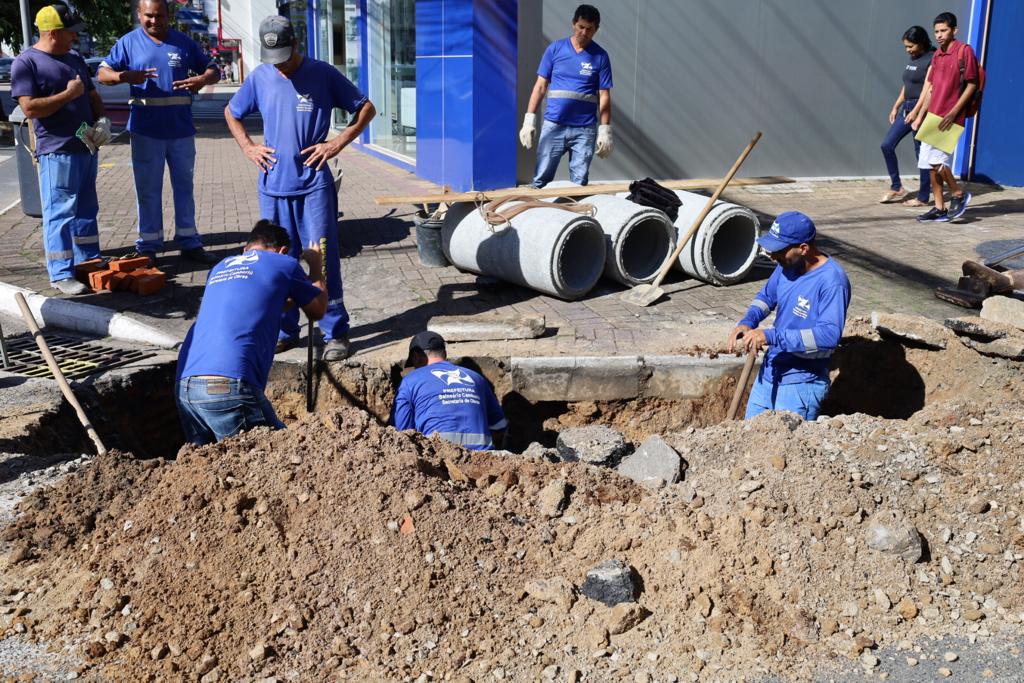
{"points": [[439, 397], [226, 357]]}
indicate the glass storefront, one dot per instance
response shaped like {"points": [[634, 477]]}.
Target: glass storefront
{"points": [[391, 36]]}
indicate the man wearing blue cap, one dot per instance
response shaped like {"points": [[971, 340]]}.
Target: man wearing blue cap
{"points": [[810, 294], [297, 95]]}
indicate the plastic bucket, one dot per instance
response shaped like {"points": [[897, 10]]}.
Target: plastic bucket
{"points": [[428, 241]]}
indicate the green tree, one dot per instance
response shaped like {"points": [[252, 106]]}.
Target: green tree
{"points": [[106, 20]]}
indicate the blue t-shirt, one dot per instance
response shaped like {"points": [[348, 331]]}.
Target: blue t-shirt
{"points": [[455, 403], [810, 313], [296, 114], [574, 81], [173, 59], [236, 329], [35, 73]]}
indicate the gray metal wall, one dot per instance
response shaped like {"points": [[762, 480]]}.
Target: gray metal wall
{"points": [[695, 79]]}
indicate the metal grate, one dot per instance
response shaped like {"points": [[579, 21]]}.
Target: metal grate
{"points": [[77, 358]]}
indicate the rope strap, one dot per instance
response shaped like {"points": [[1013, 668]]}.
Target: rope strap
{"points": [[495, 216]]}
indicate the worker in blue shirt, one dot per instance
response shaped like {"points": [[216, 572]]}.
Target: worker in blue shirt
{"points": [[226, 356], [810, 294], [580, 76], [156, 61], [441, 398], [296, 97]]}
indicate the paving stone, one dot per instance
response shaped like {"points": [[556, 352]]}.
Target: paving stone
{"points": [[653, 464], [1004, 309], [593, 444], [911, 328]]}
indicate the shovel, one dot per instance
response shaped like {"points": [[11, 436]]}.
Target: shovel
{"points": [[741, 385], [647, 294]]}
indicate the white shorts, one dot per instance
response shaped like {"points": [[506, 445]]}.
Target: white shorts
{"points": [[933, 156]]}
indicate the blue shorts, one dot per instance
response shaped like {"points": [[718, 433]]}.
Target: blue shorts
{"points": [[802, 398]]}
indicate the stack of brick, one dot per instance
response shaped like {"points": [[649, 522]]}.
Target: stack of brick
{"points": [[119, 275]]}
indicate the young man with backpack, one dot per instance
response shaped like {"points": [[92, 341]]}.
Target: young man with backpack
{"points": [[952, 83]]}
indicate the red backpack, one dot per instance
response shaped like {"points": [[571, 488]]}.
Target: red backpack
{"points": [[974, 104]]}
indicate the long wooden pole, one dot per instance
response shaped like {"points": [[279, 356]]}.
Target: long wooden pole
{"points": [[65, 388], [741, 385]]}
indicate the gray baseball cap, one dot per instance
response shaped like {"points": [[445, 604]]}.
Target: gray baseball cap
{"points": [[277, 39]]}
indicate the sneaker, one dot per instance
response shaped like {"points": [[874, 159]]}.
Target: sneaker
{"points": [[199, 255], [70, 286], [957, 205], [338, 349], [286, 343], [933, 215]]}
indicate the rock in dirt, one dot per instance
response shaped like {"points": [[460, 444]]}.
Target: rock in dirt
{"points": [[974, 326], [654, 463], [593, 444], [553, 498], [1010, 348], [557, 591], [624, 617], [540, 452], [911, 328], [610, 582], [1004, 309], [890, 532]]}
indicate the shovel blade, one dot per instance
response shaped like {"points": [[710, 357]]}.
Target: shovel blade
{"points": [[642, 295]]}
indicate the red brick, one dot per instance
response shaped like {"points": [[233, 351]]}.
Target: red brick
{"points": [[149, 284], [83, 269], [120, 281], [98, 279], [126, 265]]}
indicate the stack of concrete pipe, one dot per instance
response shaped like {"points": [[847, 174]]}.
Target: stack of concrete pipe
{"points": [[563, 253]]}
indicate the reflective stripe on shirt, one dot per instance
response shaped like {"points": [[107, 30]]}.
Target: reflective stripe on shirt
{"points": [[466, 439], [174, 101], [572, 95]]}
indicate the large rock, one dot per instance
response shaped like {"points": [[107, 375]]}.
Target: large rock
{"points": [[594, 445], [1004, 309], [911, 328], [1007, 347], [986, 330], [890, 532], [653, 464], [553, 498], [610, 582]]}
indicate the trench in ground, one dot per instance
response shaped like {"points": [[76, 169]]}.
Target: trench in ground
{"points": [[137, 413]]}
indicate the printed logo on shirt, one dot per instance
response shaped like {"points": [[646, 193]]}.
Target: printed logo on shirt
{"points": [[911, 67], [242, 259], [173, 59], [450, 377], [586, 69], [802, 308], [305, 102]]}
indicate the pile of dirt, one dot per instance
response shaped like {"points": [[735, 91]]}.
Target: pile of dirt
{"points": [[341, 549]]}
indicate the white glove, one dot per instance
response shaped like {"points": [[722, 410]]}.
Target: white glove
{"points": [[101, 132], [527, 131], [604, 140]]}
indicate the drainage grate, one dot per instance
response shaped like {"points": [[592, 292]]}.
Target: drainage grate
{"points": [[76, 358]]}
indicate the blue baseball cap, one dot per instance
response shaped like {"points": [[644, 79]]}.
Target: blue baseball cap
{"points": [[789, 229]]}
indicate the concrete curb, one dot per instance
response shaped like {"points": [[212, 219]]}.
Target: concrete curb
{"points": [[84, 318]]}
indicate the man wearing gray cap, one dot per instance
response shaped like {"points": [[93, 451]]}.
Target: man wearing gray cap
{"points": [[296, 96]]}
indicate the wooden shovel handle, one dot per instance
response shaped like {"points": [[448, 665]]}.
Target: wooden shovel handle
{"points": [[741, 385], [704, 213]]}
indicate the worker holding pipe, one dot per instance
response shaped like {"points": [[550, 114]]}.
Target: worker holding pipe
{"points": [[226, 357], [441, 398], [810, 294], [297, 95], [156, 60], [578, 117]]}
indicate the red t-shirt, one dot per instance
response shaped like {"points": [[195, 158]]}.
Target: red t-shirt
{"points": [[945, 78]]}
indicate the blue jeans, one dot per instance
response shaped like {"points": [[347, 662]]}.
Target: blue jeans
{"points": [[214, 409], [312, 218], [897, 131], [148, 158], [67, 188], [803, 398], [556, 140]]}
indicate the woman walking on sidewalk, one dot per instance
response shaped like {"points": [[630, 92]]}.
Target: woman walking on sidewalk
{"points": [[920, 50]]}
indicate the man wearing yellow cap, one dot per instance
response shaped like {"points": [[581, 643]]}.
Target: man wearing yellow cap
{"points": [[51, 84]]}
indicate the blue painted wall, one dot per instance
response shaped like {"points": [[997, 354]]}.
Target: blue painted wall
{"points": [[466, 92], [1000, 142]]}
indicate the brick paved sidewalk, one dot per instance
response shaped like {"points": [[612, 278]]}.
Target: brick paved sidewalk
{"points": [[894, 262]]}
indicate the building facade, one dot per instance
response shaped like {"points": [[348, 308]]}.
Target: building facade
{"points": [[694, 79]]}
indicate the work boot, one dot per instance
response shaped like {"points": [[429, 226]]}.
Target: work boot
{"points": [[199, 255], [338, 349], [70, 286]]}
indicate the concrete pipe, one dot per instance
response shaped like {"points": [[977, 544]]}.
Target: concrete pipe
{"points": [[553, 251], [722, 251], [638, 239]]}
